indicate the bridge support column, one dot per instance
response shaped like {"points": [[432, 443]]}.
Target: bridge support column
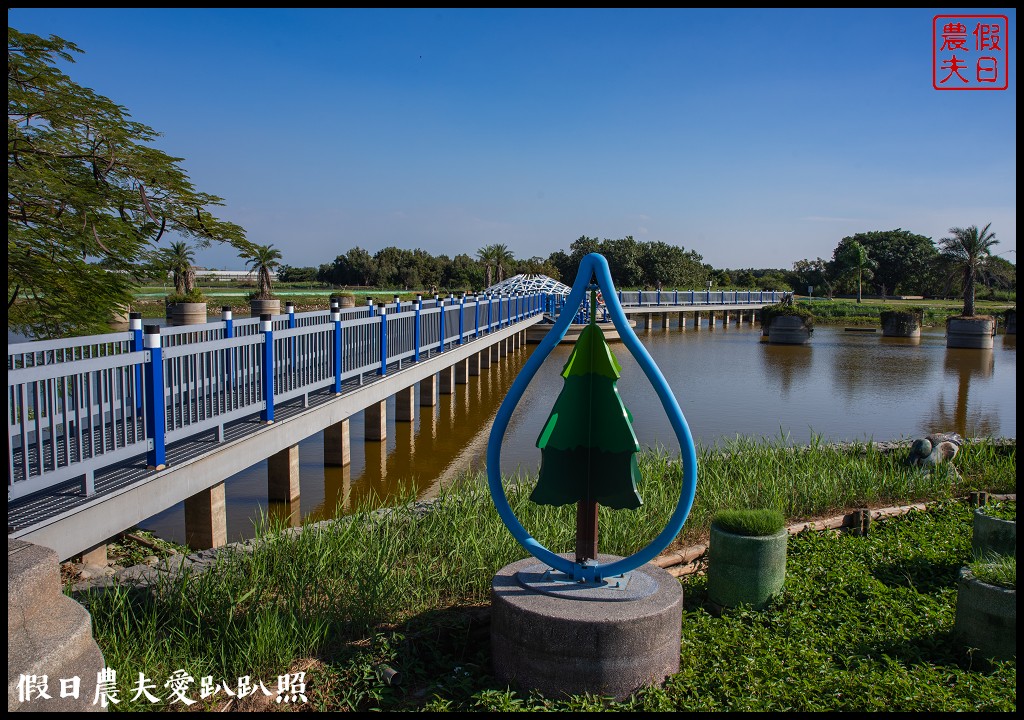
{"points": [[495, 353], [206, 519], [725, 318], [485, 358], [696, 321], [428, 391], [375, 421], [711, 319], [664, 322], [681, 321], [473, 363], [405, 404], [738, 317], [283, 475], [337, 444], [462, 372], [447, 380]]}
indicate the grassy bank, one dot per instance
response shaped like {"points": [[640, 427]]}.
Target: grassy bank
{"points": [[935, 312], [864, 623]]}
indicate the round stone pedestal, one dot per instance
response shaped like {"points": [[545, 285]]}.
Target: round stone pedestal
{"points": [[976, 332], [562, 638], [788, 330]]}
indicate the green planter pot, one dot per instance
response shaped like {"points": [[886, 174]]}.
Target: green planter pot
{"points": [[745, 569], [993, 536], [986, 618]]}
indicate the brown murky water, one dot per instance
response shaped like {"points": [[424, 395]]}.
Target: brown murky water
{"points": [[843, 386]]}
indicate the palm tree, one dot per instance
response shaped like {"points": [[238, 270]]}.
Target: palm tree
{"points": [[261, 260], [486, 256], [854, 258], [179, 259], [502, 258], [968, 251]]}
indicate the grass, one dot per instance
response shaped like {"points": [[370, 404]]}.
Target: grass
{"points": [[1002, 509], [864, 622], [750, 522], [1000, 570], [934, 312]]}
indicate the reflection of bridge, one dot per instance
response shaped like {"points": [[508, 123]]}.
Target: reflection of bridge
{"points": [[109, 430], [106, 431]]}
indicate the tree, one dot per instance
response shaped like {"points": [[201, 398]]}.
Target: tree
{"points": [[902, 259], [968, 252], [853, 258], [262, 259], [179, 259], [503, 258], [88, 196]]}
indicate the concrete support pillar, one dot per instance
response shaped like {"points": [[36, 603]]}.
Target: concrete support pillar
{"points": [[696, 321], [283, 475], [711, 318], [725, 318], [206, 519], [473, 363], [405, 404], [97, 556], [428, 391], [447, 380], [337, 445], [495, 353], [462, 372], [485, 358], [664, 322], [642, 321], [738, 317], [681, 321], [375, 421]]}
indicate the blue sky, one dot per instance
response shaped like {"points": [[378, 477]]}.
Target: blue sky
{"points": [[755, 137]]}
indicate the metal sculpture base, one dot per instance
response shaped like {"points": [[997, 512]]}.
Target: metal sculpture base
{"points": [[562, 638]]}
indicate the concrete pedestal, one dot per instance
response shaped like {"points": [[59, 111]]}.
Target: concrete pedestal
{"points": [[562, 638]]}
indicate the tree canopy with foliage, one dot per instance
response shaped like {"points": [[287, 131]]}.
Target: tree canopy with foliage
{"points": [[967, 250], [88, 197], [853, 258], [262, 260]]}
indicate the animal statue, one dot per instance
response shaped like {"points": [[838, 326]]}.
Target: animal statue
{"points": [[934, 449]]}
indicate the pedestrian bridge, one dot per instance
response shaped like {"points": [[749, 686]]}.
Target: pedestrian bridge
{"points": [[106, 431]]}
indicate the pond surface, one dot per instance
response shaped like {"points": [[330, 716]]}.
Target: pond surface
{"points": [[843, 386]]}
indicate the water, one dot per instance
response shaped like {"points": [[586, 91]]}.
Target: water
{"points": [[843, 386]]}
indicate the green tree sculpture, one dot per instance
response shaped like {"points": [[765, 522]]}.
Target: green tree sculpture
{"points": [[588, 447]]}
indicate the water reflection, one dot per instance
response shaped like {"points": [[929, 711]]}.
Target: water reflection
{"points": [[843, 386]]}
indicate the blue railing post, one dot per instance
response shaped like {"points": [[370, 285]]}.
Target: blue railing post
{"points": [[369, 304], [289, 307], [659, 296], [336, 319], [398, 304], [440, 324], [416, 329], [489, 303], [383, 340], [156, 413], [227, 316], [675, 299], [267, 376], [691, 298], [462, 316], [135, 325], [476, 315]]}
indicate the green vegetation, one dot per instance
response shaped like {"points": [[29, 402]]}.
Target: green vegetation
{"points": [[89, 197], [753, 522], [967, 252], [864, 623], [262, 260], [1000, 570], [767, 313], [1002, 509]]}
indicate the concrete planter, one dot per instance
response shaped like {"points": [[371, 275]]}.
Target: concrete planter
{"points": [[1010, 316], [186, 313], [788, 330], [993, 536], [745, 569], [977, 332], [265, 307], [986, 618], [900, 324], [346, 301]]}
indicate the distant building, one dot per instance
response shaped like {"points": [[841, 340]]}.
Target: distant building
{"points": [[228, 275]]}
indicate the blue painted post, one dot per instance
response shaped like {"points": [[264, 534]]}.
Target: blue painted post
{"points": [[675, 300], [369, 304], [229, 332], [135, 325], [336, 319], [659, 296], [289, 307], [440, 323], [383, 340], [416, 329], [462, 316], [476, 315], [267, 328], [156, 413], [398, 304], [489, 303], [620, 297], [748, 296], [691, 297]]}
